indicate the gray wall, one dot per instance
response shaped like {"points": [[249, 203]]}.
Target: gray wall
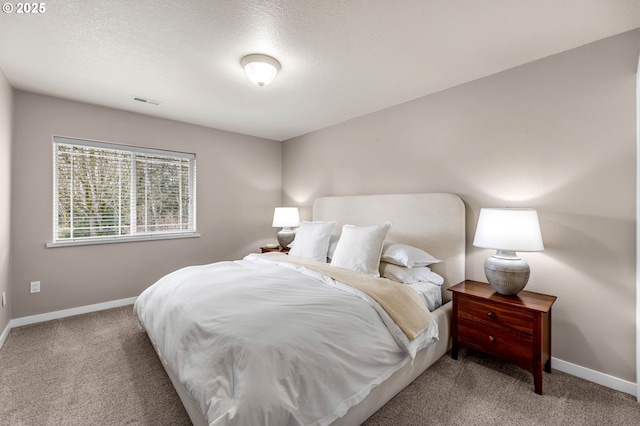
{"points": [[557, 135], [6, 123], [238, 185]]}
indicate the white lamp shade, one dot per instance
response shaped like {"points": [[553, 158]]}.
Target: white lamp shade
{"points": [[286, 217], [261, 69], [509, 229]]}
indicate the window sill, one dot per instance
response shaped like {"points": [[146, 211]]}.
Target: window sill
{"points": [[128, 239]]}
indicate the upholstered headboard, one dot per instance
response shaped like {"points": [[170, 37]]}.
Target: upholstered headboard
{"points": [[434, 222]]}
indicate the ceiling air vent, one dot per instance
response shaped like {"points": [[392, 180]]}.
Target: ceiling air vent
{"points": [[146, 101]]}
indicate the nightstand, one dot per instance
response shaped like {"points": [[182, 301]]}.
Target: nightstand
{"points": [[513, 328], [268, 249]]}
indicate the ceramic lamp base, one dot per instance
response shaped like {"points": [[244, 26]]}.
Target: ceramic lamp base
{"points": [[285, 237], [506, 272]]}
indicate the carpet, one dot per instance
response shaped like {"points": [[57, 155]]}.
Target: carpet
{"points": [[92, 369], [99, 369]]}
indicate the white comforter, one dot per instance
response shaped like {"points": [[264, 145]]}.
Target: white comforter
{"points": [[258, 342]]}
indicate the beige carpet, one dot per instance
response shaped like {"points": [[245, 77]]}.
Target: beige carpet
{"points": [[93, 369], [98, 369]]}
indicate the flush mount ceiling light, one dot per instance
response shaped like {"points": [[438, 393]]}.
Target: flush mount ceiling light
{"points": [[261, 69]]}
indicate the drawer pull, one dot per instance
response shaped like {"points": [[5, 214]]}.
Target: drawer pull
{"points": [[492, 339], [491, 315]]}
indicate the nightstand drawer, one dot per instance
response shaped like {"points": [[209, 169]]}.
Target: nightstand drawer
{"points": [[511, 347], [496, 315]]}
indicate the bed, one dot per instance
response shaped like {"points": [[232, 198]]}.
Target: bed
{"points": [[433, 222]]}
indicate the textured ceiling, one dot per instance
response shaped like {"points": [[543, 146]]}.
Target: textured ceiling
{"points": [[340, 58]]}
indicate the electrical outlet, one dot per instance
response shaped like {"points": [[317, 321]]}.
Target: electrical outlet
{"points": [[4, 298], [35, 287]]}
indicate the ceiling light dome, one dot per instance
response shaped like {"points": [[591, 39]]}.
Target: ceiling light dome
{"points": [[261, 69]]}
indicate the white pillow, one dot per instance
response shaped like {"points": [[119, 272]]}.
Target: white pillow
{"points": [[430, 294], [359, 248], [404, 255], [312, 240], [405, 275]]}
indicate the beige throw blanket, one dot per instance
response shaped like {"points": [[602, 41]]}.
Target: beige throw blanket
{"points": [[399, 301]]}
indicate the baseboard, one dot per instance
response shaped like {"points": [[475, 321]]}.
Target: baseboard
{"points": [[4, 334], [33, 319], [595, 376]]}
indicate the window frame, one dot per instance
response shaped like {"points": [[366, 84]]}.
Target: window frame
{"points": [[146, 236]]}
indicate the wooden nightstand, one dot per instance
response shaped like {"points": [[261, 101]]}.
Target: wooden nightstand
{"points": [[268, 249], [513, 328]]}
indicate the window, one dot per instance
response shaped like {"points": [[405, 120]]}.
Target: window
{"points": [[110, 193]]}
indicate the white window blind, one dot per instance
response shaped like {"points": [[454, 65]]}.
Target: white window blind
{"points": [[107, 192]]}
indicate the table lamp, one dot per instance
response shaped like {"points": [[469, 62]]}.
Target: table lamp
{"points": [[507, 231], [285, 218]]}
